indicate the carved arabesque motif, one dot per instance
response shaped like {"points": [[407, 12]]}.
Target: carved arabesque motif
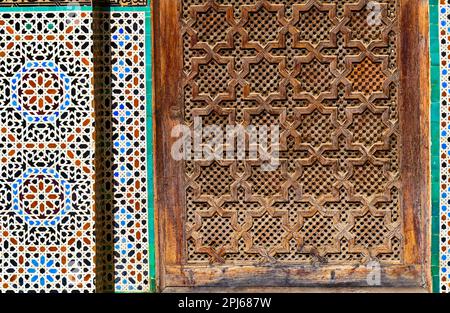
{"points": [[329, 79]]}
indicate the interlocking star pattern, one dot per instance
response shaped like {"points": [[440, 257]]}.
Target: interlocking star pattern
{"points": [[329, 80]]}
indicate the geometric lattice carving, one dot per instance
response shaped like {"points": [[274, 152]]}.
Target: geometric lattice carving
{"points": [[327, 76]]}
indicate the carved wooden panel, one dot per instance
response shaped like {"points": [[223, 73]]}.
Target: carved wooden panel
{"points": [[329, 80], [325, 72]]}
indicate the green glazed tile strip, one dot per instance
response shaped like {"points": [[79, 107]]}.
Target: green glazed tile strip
{"points": [[72, 8], [150, 182], [435, 142]]}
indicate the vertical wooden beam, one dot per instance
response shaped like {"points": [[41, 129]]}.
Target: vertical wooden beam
{"points": [[168, 179], [413, 107]]}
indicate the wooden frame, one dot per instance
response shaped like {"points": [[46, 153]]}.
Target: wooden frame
{"points": [[169, 189]]}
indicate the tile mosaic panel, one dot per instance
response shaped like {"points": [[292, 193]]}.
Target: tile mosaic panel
{"points": [[46, 152], [130, 149], [444, 30], [121, 116], [56, 69]]}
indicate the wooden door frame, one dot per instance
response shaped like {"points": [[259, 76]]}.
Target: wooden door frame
{"points": [[169, 189]]}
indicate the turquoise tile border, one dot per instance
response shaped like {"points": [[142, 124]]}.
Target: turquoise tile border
{"points": [[435, 142], [150, 181], [45, 9], [72, 8]]}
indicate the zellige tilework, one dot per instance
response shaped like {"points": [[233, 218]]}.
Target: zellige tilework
{"points": [[444, 24], [130, 149], [120, 49], [53, 65], [46, 152]]}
